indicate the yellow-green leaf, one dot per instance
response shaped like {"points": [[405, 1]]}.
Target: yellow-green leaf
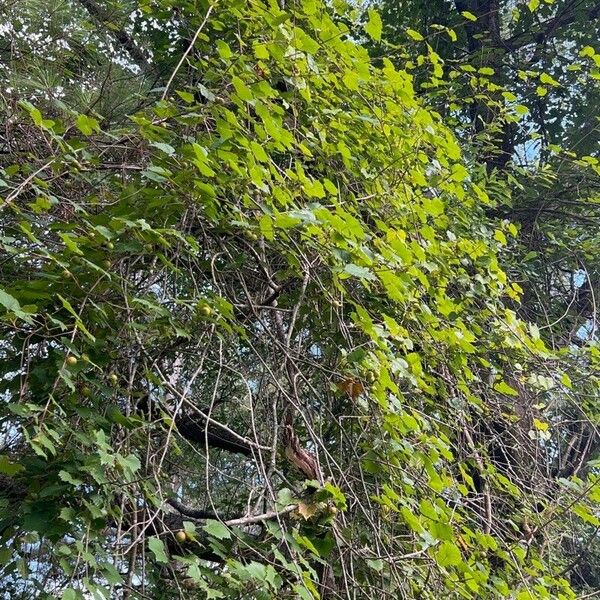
{"points": [[415, 35], [242, 90], [374, 25], [548, 80], [505, 389], [448, 555], [87, 125]]}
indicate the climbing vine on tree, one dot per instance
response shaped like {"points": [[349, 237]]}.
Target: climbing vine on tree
{"points": [[257, 340]]}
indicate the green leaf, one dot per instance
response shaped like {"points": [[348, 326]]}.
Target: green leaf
{"points": [[185, 96], [194, 572], [266, 226], [166, 148], [78, 321], [157, 548], [304, 42], [189, 528], [505, 389], [500, 237], [242, 90], [8, 467], [358, 271], [448, 555], [259, 152], [306, 543], [585, 513], [67, 477], [129, 463], [587, 51], [548, 80], [87, 125], [374, 25], [113, 577], [415, 35], [351, 80], [566, 381], [468, 15], [12, 305], [314, 189], [217, 530], [375, 564], [303, 593], [261, 52], [224, 50]]}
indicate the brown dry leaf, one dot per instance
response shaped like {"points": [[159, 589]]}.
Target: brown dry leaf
{"points": [[462, 543], [308, 510], [353, 387]]}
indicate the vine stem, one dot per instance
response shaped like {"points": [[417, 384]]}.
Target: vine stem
{"points": [[187, 50]]}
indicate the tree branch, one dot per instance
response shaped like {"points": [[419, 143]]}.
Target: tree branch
{"points": [[188, 511], [102, 16], [547, 29], [272, 514], [215, 434]]}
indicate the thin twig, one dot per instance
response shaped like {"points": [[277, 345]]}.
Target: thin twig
{"points": [[272, 514], [187, 51]]}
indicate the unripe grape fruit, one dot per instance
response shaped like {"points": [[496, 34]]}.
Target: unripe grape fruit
{"points": [[71, 361]]}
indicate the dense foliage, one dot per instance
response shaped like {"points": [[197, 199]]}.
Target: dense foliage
{"points": [[270, 326]]}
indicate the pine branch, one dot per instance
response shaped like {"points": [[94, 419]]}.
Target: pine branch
{"points": [[102, 16]]}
